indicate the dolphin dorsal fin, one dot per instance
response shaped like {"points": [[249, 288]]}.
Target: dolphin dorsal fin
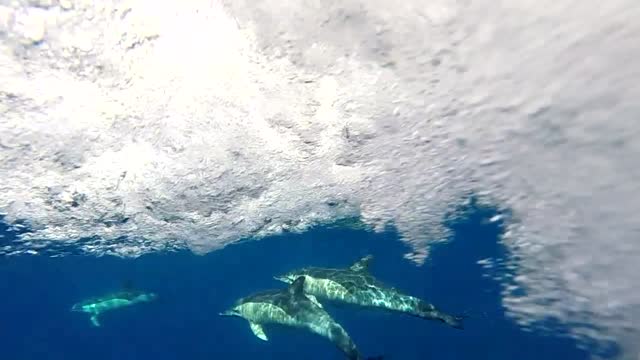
{"points": [[297, 287], [362, 264]]}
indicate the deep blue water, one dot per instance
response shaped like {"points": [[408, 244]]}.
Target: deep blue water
{"points": [[36, 293]]}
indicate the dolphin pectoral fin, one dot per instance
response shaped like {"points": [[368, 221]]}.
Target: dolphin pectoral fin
{"points": [[94, 320], [314, 300], [258, 331]]}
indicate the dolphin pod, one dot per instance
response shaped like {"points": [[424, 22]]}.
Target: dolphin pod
{"points": [[300, 305], [355, 285], [291, 307]]}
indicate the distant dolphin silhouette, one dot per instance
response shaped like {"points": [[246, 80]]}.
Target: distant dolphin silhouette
{"points": [[355, 285], [290, 307], [96, 306]]}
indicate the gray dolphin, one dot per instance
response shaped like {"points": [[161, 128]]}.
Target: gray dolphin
{"points": [[291, 307], [98, 305], [355, 285]]}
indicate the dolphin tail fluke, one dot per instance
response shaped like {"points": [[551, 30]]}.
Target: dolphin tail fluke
{"points": [[428, 311], [455, 321], [95, 321]]}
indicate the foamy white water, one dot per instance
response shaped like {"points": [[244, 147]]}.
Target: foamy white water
{"points": [[200, 123]]}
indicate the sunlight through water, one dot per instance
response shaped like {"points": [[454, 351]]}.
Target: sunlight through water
{"points": [[135, 126]]}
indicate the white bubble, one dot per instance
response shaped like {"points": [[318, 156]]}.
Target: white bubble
{"points": [[193, 124]]}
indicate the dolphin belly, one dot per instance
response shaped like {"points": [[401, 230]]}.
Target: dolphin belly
{"points": [[265, 313], [115, 303], [402, 303], [368, 296], [328, 289]]}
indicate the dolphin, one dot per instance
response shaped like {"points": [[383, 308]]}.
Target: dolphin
{"points": [[355, 285], [291, 307], [98, 305]]}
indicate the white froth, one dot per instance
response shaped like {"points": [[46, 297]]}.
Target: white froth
{"points": [[146, 124]]}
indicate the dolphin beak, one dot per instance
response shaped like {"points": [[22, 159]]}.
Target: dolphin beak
{"points": [[228, 313], [281, 278]]}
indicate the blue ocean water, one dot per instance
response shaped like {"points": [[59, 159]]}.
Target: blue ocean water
{"points": [[37, 293]]}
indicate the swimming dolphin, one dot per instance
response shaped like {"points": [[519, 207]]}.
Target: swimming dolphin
{"points": [[355, 285], [97, 306], [290, 307]]}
